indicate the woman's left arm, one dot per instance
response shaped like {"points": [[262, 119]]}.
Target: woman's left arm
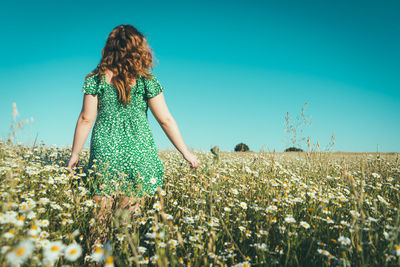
{"points": [[84, 124]]}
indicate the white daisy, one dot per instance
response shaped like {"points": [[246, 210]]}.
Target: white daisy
{"points": [[120, 236], [89, 203], [290, 219], [397, 249], [73, 251], [109, 262], [53, 251], [98, 254], [304, 224], [173, 242], [142, 250], [44, 223], [344, 240], [23, 250], [157, 206]]}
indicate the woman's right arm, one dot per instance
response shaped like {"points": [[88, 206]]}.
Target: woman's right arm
{"points": [[161, 113]]}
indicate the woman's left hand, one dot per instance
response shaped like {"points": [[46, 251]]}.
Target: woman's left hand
{"points": [[73, 161]]}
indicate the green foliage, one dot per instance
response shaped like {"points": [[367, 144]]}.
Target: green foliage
{"points": [[241, 147], [293, 149]]}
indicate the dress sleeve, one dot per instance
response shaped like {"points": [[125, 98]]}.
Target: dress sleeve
{"points": [[153, 86], [90, 86]]}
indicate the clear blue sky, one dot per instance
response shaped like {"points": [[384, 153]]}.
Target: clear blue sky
{"points": [[231, 69]]}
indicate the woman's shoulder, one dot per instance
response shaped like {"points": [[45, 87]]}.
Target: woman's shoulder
{"points": [[152, 85], [91, 84], [93, 77]]}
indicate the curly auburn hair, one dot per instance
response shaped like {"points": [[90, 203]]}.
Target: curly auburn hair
{"points": [[126, 54]]}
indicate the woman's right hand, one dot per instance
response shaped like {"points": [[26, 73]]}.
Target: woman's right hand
{"points": [[192, 159]]}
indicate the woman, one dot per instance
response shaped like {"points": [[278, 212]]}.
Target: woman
{"points": [[120, 90]]}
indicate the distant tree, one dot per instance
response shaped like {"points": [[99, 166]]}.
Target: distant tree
{"points": [[241, 147], [293, 149]]}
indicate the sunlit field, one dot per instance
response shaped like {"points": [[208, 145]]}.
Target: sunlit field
{"points": [[243, 209]]}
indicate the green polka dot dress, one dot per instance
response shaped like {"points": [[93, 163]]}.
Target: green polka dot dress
{"points": [[123, 155]]}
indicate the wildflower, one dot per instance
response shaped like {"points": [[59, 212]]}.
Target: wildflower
{"points": [[304, 224], [397, 249], [355, 213], [243, 264], [344, 240], [173, 242], [44, 234], [290, 219], [53, 251], [31, 215], [73, 251], [271, 208], [324, 252], [9, 234], [89, 203], [41, 210], [329, 220], [109, 262], [263, 232], [235, 191], [75, 233], [141, 249], [243, 205], [193, 238], [43, 223], [24, 207], [23, 250], [157, 206], [5, 249], [44, 242], [375, 175], [261, 246], [98, 254], [120, 236], [188, 219], [92, 221], [43, 200]]}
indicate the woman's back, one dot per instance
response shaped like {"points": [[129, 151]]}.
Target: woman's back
{"points": [[122, 148], [122, 143]]}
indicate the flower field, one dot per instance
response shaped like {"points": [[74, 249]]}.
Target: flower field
{"points": [[244, 209]]}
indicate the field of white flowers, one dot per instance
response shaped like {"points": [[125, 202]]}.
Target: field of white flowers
{"points": [[245, 209]]}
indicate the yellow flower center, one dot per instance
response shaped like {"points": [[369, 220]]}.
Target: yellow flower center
{"points": [[20, 251], [110, 260]]}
